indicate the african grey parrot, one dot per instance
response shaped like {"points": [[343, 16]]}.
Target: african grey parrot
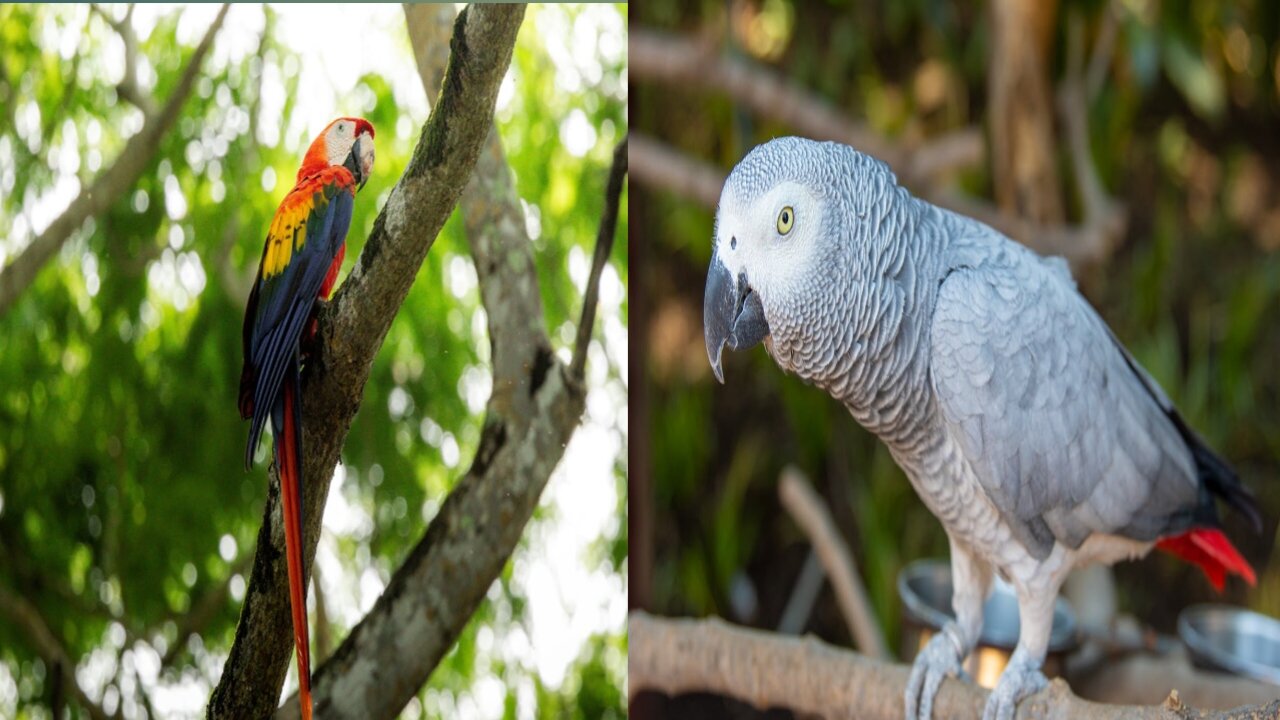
{"points": [[1019, 419]]}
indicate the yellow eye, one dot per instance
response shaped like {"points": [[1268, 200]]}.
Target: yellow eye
{"points": [[786, 219]]}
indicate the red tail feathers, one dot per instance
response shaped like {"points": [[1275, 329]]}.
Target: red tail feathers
{"points": [[1212, 552], [289, 479]]}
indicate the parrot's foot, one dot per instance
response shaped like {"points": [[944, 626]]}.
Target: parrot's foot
{"points": [[1021, 677], [309, 343], [939, 659]]}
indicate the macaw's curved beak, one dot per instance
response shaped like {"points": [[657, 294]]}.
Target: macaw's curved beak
{"points": [[731, 314], [360, 160]]}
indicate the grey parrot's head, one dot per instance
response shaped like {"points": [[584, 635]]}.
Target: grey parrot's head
{"points": [[797, 223]]}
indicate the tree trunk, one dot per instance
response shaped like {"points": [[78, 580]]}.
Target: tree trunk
{"points": [[1020, 110]]}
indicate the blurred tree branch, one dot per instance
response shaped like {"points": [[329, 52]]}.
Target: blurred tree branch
{"points": [[810, 677], [1020, 110], [691, 62], [111, 184], [604, 246], [810, 513], [27, 617], [128, 89], [1103, 50], [1098, 209], [659, 165], [235, 283]]}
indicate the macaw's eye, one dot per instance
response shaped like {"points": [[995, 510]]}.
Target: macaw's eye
{"points": [[341, 128], [786, 219]]}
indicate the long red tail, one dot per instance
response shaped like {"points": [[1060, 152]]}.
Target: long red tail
{"points": [[1212, 552], [290, 493]]}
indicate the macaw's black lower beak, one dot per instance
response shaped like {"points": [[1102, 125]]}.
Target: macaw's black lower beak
{"points": [[360, 160], [353, 164], [731, 314]]}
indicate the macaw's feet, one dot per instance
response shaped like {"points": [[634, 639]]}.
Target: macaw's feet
{"points": [[939, 659], [1021, 677], [309, 343]]}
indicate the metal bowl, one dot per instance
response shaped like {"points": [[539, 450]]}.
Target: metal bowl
{"points": [[925, 589], [1238, 641]]}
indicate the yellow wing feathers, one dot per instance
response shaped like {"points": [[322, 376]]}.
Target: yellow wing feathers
{"points": [[288, 233]]}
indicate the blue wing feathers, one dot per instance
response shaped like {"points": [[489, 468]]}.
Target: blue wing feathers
{"points": [[285, 303]]}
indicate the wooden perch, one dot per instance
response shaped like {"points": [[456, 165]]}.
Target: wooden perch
{"points": [[810, 513], [810, 677]]}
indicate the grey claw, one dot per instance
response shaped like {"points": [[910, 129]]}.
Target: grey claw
{"points": [[1018, 680], [939, 659]]}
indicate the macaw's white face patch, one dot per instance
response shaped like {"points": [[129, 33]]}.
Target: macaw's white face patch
{"points": [[338, 141]]}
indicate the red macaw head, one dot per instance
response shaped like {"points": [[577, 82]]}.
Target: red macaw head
{"points": [[347, 142]]}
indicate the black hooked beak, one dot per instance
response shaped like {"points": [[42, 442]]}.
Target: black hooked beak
{"points": [[731, 313], [360, 159]]}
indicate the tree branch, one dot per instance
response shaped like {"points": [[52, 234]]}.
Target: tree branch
{"points": [[809, 512], [1103, 50], [128, 89], [604, 245], [352, 329], [810, 677], [27, 617], [1105, 218], [235, 283], [657, 164], [1019, 111], [110, 185]]}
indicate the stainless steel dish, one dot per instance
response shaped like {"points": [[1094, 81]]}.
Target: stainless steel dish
{"points": [[1232, 639]]}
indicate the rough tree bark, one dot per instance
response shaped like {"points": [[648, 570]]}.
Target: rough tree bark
{"points": [[113, 182], [352, 328], [810, 677]]}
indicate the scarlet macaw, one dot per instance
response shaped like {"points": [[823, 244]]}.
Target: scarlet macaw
{"points": [[300, 261]]}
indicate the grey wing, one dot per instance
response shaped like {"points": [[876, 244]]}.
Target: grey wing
{"points": [[1064, 436]]}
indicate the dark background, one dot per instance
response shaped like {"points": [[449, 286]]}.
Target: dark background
{"points": [[1182, 135]]}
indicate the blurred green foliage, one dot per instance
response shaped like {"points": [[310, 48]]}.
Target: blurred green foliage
{"points": [[122, 497], [1183, 132]]}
